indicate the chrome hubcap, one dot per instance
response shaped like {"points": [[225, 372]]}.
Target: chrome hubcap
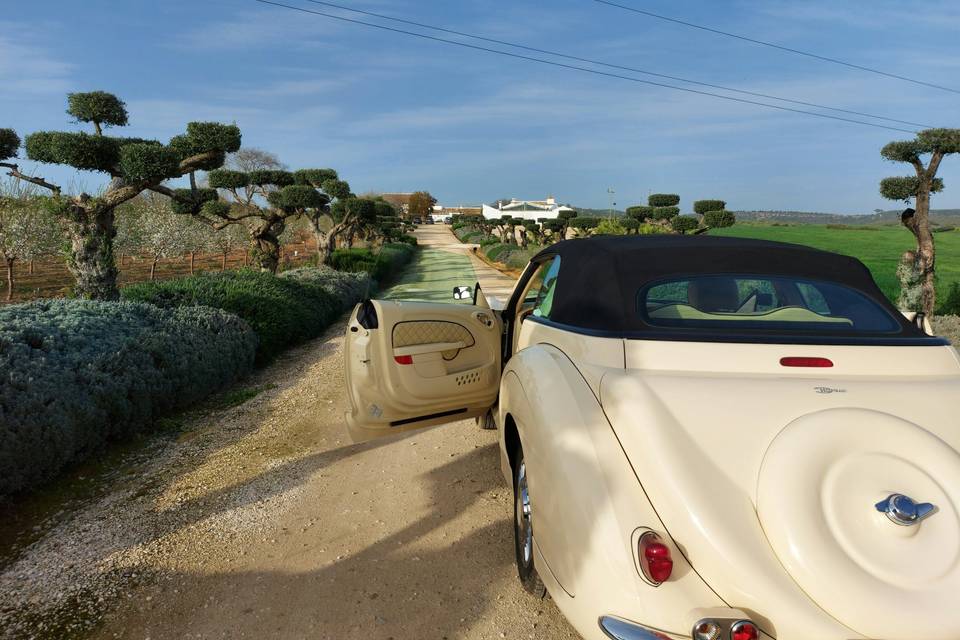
{"points": [[524, 523]]}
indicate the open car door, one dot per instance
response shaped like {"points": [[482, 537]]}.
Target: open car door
{"points": [[411, 365]]}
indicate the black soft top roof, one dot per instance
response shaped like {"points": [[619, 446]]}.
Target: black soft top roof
{"points": [[600, 276]]}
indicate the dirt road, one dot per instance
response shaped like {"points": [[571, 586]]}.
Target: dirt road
{"points": [[261, 520]]}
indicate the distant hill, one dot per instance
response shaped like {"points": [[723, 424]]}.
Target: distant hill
{"points": [[583, 212], [940, 216]]}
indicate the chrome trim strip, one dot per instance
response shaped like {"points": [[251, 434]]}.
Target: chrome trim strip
{"points": [[620, 629]]}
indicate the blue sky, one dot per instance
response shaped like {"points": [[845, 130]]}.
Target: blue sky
{"points": [[394, 113]]}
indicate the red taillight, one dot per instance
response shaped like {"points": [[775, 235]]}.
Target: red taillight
{"points": [[403, 359], [655, 558], [744, 630], [802, 361]]}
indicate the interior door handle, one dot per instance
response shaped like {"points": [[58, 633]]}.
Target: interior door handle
{"points": [[430, 347]]}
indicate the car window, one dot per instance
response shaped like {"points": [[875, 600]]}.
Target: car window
{"points": [[766, 303], [544, 301]]}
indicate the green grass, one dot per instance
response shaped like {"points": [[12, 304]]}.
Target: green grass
{"points": [[879, 248], [432, 277]]}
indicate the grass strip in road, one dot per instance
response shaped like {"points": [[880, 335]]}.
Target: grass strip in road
{"points": [[432, 275]]}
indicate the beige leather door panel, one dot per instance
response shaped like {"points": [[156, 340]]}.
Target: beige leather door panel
{"points": [[421, 364]]}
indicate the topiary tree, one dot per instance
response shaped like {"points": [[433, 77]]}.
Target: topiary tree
{"points": [[701, 207], [640, 212], [663, 200], [556, 229], [629, 224], [934, 144], [683, 224], [610, 227], [717, 219], [343, 214], [253, 200], [134, 165], [565, 216], [505, 227], [582, 226], [664, 213]]}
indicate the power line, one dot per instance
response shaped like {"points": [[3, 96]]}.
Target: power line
{"points": [[616, 66], [772, 45], [582, 69]]}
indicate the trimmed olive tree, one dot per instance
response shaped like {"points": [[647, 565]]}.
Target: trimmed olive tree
{"points": [[663, 200], [246, 192], [134, 165], [718, 219], [933, 144], [700, 207], [683, 224]]}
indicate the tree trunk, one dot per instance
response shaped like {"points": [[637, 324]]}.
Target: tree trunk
{"points": [[223, 261], [323, 250], [266, 254], [919, 224], [9, 262], [30, 271], [192, 255], [153, 268], [91, 260]]}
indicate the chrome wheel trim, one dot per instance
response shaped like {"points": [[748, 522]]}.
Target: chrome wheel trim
{"points": [[524, 522]]}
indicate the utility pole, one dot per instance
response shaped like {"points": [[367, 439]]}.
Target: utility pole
{"points": [[610, 191]]}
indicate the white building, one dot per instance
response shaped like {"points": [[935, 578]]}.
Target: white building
{"points": [[526, 209]]}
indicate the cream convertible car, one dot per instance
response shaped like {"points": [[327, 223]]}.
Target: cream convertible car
{"points": [[708, 438]]}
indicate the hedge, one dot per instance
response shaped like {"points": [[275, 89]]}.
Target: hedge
{"points": [[76, 374], [495, 250], [282, 311], [379, 266]]}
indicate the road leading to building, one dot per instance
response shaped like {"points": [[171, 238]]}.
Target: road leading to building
{"points": [[262, 520]]}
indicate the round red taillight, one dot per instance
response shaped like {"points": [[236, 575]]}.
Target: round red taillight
{"points": [[744, 630], [655, 558]]}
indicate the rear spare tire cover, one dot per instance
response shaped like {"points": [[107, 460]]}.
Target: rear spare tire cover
{"points": [[817, 492]]}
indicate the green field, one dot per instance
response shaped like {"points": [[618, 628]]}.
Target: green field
{"points": [[879, 248]]}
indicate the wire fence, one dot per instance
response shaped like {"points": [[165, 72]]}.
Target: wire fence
{"points": [[48, 277]]}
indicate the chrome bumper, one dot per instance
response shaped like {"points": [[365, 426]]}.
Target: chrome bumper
{"points": [[620, 629]]}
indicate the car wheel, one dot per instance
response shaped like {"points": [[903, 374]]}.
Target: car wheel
{"points": [[486, 421], [523, 530]]}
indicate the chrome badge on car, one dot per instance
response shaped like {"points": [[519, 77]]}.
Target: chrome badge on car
{"points": [[904, 511], [829, 390]]}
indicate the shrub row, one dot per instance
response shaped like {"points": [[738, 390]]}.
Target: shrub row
{"points": [[379, 265], [282, 311], [75, 374]]}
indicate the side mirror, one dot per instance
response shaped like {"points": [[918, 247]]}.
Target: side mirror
{"points": [[462, 292]]}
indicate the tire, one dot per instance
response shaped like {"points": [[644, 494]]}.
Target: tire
{"points": [[486, 421], [523, 531]]}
